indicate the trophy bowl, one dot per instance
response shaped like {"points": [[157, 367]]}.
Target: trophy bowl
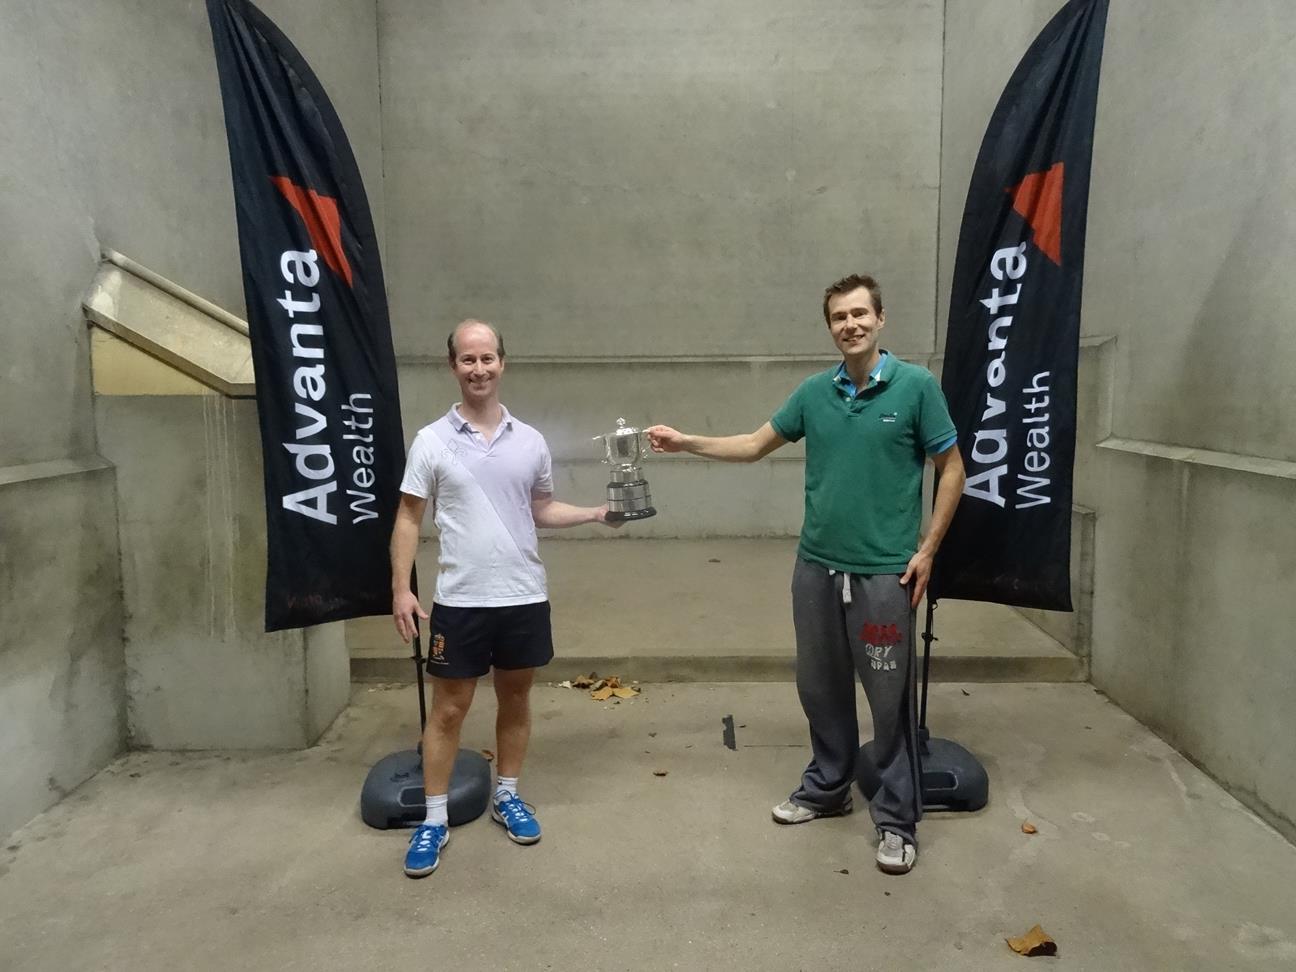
{"points": [[624, 450]]}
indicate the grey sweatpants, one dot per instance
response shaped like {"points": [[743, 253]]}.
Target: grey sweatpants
{"points": [[872, 635]]}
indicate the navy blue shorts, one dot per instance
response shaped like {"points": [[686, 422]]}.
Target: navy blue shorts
{"points": [[466, 642]]}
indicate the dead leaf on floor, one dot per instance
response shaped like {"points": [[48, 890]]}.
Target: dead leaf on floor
{"points": [[844, 870], [605, 688], [584, 681], [1028, 827], [1034, 942], [713, 560], [488, 754], [660, 772]]}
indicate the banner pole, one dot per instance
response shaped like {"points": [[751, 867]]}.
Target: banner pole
{"points": [[927, 638], [418, 666]]}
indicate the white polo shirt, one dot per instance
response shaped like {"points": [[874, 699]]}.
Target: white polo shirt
{"points": [[481, 494]]}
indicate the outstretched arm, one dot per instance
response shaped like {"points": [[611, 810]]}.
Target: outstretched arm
{"points": [[949, 466], [728, 448], [550, 513]]}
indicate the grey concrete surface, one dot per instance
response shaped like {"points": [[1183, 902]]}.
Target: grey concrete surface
{"points": [[202, 672], [1194, 563], [118, 139], [113, 136], [657, 178], [233, 860], [62, 670], [704, 610]]}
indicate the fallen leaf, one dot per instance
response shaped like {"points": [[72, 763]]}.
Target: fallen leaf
{"points": [[1028, 827], [660, 772], [652, 735], [583, 681], [614, 681], [599, 685], [625, 693], [965, 691], [714, 560], [488, 754], [601, 695], [844, 870], [1034, 942]]}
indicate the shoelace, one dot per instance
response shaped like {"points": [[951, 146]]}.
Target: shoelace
{"points": [[425, 837], [515, 811], [892, 842]]}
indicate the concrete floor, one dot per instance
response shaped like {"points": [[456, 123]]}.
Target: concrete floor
{"points": [[652, 606], [260, 861]]}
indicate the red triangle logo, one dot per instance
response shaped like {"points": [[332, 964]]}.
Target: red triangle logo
{"points": [[320, 214], [1038, 200]]}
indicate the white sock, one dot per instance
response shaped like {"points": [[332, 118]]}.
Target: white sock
{"points": [[437, 812], [506, 788]]}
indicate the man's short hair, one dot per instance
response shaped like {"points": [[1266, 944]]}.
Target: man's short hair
{"points": [[450, 345], [846, 284]]}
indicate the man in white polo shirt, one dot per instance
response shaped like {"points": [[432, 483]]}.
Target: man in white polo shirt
{"points": [[489, 477]]}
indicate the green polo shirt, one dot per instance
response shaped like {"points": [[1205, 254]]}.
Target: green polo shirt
{"points": [[864, 464]]}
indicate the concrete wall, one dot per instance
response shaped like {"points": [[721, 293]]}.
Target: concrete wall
{"points": [[201, 672], [640, 178], [1195, 483], [649, 198], [113, 137]]}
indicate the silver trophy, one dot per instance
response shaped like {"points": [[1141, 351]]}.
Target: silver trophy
{"points": [[628, 496]]}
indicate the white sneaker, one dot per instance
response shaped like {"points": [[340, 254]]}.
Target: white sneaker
{"points": [[895, 855], [788, 812]]}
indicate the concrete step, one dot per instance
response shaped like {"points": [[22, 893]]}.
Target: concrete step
{"points": [[711, 611]]}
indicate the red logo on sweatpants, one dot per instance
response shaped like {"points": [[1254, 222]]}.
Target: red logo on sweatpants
{"points": [[880, 634]]}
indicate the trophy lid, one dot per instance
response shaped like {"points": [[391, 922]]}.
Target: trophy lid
{"points": [[621, 429]]}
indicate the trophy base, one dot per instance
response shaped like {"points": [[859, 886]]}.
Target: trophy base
{"points": [[621, 516]]}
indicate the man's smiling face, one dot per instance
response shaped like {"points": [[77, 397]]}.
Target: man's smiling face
{"points": [[855, 324], [477, 364]]}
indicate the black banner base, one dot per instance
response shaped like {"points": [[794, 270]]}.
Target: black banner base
{"points": [[952, 778], [392, 795]]}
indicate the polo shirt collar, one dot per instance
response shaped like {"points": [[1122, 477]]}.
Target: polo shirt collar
{"points": [[882, 372], [461, 424]]}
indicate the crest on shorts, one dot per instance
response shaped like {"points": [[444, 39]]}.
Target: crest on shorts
{"points": [[438, 650]]}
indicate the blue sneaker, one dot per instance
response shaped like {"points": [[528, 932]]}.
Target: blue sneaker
{"points": [[424, 852], [518, 819]]}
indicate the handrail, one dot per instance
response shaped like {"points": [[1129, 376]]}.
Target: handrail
{"points": [[176, 291]]}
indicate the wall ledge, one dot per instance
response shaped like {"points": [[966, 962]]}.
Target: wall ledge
{"points": [[11, 475], [1234, 461]]}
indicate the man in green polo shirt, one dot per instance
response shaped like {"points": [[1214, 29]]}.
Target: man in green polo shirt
{"points": [[870, 423]]}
